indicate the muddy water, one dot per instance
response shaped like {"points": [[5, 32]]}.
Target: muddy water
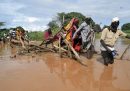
{"points": [[49, 72]]}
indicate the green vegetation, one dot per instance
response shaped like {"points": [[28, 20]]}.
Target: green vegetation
{"points": [[126, 26], [55, 24], [127, 31], [69, 16], [98, 35], [37, 35], [2, 24], [3, 31], [62, 19]]}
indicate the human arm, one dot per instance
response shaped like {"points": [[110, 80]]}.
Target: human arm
{"points": [[104, 45], [78, 30], [121, 33]]}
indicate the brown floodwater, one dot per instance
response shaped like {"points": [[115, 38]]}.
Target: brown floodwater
{"points": [[48, 72]]}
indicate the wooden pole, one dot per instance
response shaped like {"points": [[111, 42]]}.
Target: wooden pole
{"points": [[60, 47], [124, 51], [69, 51], [73, 50]]}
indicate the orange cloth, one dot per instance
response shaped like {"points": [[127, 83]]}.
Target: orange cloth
{"points": [[71, 28]]}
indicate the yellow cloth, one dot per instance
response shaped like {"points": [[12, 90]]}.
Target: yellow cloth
{"points": [[67, 28], [69, 25], [68, 37]]}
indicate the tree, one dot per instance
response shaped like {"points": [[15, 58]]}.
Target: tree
{"points": [[126, 26], [53, 24], [105, 26], [97, 28], [2, 24], [3, 31], [67, 17]]}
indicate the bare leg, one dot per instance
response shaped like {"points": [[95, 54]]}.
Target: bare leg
{"points": [[22, 41]]}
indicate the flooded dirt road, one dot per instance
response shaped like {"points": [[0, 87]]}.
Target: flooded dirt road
{"points": [[48, 72]]}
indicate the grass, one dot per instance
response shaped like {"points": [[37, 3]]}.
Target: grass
{"points": [[127, 32], [38, 35], [98, 35]]}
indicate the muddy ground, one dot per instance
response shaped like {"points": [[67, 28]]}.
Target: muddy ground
{"points": [[48, 72]]}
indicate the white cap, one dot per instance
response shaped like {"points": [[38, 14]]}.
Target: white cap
{"points": [[115, 19]]}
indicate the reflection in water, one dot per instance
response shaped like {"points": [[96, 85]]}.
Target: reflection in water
{"points": [[49, 72], [96, 77]]}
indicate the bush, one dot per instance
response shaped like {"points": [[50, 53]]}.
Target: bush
{"points": [[126, 26], [37, 35]]}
